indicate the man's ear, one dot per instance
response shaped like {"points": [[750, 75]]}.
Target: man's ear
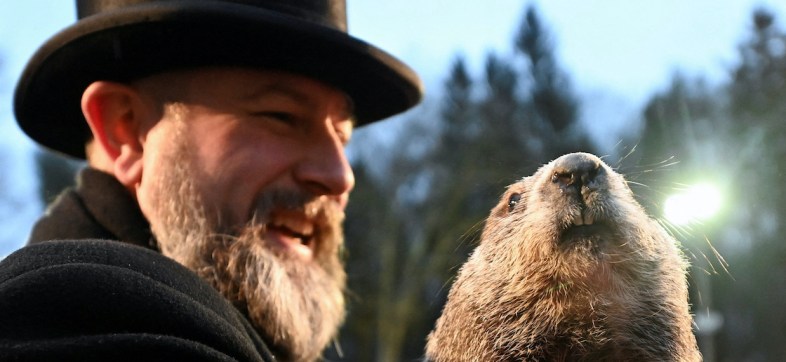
{"points": [[119, 120]]}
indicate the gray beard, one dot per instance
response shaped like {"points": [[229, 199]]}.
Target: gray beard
{"points": [[297, 306]]}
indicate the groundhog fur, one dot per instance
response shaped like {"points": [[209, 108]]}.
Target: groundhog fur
{"points": [[569, 268]]}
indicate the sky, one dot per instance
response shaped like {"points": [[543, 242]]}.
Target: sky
{"points": [[616, 53], [630, 47]]}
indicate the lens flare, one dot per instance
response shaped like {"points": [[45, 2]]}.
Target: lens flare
{"points": [[694, 204]]}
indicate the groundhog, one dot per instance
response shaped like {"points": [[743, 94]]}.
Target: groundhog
{"points": [[569, 268]]}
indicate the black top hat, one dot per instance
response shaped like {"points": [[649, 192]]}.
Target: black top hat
{"points": [[122, 40]]}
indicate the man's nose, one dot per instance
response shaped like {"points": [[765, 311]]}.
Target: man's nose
{"points": [[325, 169]]}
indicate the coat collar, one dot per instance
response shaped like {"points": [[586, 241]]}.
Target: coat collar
{"points": [[99, 207]]}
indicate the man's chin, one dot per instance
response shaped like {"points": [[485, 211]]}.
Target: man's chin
{"points": [[298, 306]]}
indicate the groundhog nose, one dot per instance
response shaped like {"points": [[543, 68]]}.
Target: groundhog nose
{"points": [[576, 169]]}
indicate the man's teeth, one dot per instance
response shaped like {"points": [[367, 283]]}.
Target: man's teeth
{"points": [[583, 219], [296, 225]]}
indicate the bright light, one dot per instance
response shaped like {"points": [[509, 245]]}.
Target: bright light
{"points": [[696, 203]]}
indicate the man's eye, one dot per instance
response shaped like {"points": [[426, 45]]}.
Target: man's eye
{"points": [[344, 133], [284, 117]]}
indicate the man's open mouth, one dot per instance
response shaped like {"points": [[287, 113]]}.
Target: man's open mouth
{"points": [[292, 231]]}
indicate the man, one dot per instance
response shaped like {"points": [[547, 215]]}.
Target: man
{"points": [[214, 134]]}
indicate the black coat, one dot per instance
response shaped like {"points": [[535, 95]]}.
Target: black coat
{"points": [[86, 299]]}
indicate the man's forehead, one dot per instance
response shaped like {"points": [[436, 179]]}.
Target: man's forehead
{"points": [[247, 83], [300, 89]]}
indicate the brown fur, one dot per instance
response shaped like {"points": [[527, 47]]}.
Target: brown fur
{"points": [[539, 289]]}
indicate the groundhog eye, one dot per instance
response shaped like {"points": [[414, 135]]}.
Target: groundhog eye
{"points": [[513, 201]]}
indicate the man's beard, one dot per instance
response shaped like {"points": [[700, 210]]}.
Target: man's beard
{"points": [[297, 305]]}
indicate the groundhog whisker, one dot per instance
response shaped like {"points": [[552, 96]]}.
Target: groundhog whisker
{"points": [[569, 267]]}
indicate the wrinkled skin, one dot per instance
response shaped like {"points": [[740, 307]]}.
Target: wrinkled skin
{"points": [[245, 182]]}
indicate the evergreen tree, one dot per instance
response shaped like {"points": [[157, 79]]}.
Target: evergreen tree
{"points": [[457, 109], [683, 133], [759, 81], [733, 137], [370, 232], [555, 108], [759, 122]]}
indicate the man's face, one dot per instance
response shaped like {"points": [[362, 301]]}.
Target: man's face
{"points": [[245, 181]]}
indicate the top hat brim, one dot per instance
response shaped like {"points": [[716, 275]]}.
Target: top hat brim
{"points": [[127, 44]]}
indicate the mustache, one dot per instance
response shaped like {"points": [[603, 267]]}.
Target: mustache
{"points": [[313, 207]]}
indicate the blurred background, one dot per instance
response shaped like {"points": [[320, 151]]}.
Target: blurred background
{"points": [[673, 94]]}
